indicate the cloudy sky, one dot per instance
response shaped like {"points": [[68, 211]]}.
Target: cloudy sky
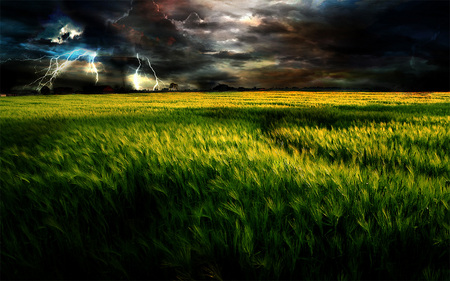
{"points": [[398, 44]]}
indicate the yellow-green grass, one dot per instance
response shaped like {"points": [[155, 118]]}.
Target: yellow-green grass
{"points": [[234, 185]]}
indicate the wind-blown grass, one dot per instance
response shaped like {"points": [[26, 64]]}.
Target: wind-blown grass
{"points": [[275, 185]]}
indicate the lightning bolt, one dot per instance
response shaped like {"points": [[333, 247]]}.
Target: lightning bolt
{"points": [[58, 65], [25, 59], [158, 9], [127, 13], [136, 75], [154, 73], [195, 14], [92, 67], [137, 79]]}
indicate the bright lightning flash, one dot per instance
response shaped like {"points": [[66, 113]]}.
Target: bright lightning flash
{"points": [[154, 73], [58, 64], [92, 68], [137, 78]]}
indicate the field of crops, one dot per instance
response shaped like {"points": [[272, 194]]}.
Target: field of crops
{"points": [[235, 185]]}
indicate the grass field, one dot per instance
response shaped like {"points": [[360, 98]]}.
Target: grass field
{"points": [[252, 185]]}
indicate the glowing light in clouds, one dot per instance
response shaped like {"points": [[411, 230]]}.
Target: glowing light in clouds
{"points": [[66, 32]]}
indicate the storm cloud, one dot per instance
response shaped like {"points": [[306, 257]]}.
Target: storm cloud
{"points": [[396, 45]]}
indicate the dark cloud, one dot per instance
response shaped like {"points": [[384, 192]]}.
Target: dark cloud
{"points": [[402, 45], [233, 56], [15, 75], [269, 77], [268, 27], [248, 39], [360, 38], [209, 79]]}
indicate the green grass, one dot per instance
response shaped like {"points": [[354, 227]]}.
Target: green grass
{"points": [[261, 185]]}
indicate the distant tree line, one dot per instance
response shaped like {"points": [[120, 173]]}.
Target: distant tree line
{"points": [[106, 89]]}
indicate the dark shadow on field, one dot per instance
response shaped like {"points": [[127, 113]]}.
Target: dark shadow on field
{"points": [[27, 134], [427, 109], [341, 117], [327, 116], [110, 224]]}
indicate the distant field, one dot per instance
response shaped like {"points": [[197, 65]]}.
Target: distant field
{"points": [[251, 185]]}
